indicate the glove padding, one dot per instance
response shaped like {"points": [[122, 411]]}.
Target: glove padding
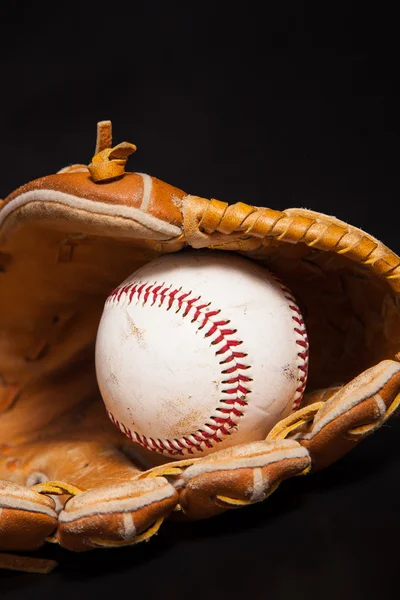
{"points": [[68, 475]]}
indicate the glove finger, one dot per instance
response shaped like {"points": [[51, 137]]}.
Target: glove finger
{"points": [[26, 517], [243, 474], [358, 409], [115, 515]]}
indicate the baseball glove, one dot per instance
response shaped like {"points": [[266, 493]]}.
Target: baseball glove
{"points": [[67, 474]]}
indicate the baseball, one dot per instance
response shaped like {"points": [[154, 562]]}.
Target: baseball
{"points": [[200, 350]]}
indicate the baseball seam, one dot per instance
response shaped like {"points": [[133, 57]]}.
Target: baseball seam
{"points": [[301, 341], [236, 383]]}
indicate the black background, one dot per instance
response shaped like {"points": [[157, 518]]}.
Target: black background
{"points": [[280, 105]]}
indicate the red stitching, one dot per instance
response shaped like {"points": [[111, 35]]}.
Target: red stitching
{"points": [[132, 292], [140, 290], [218, 426], [304, 354], [294, 307], [299, 321], [232, 357], [233, 369], [303, 343]]}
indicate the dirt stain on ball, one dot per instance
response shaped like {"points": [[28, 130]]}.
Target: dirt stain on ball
{"points": [[290, 372], [137, 333]]}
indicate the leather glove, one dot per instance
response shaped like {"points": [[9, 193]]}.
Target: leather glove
{"points": [[68, 475]]}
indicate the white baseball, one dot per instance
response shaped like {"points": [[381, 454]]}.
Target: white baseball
{"points": [[200, 350]]}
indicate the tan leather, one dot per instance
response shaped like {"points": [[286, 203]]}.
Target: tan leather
{"points": [[109, 164], [115, 515], [162, 203], [65, 243], [27, 517], [239, 476]]}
